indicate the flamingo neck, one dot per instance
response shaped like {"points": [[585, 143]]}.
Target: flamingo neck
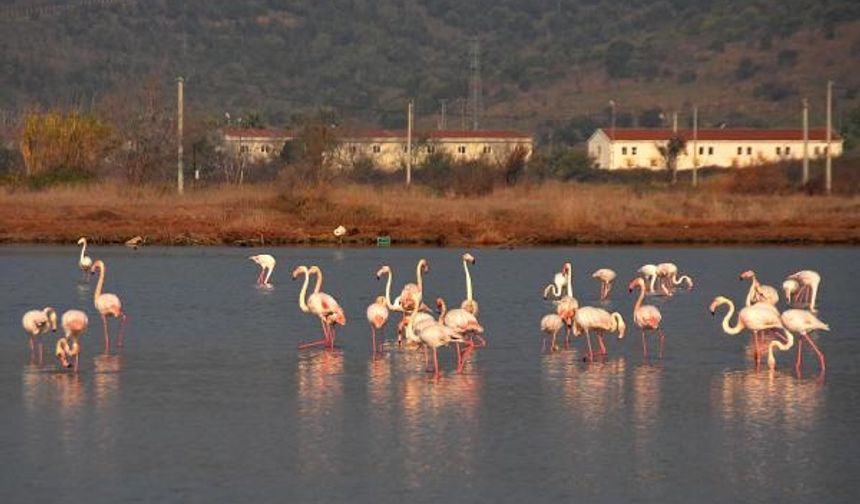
{"points": [[418, 279], [83, 250], [569, 277], [319, 282], [789, 342], [388, 292], [101, 266], [640, 298], [553, 289], [618, 320], [682, 279], [303, 305], [752, 292], [443, 309], [727, 328], [468, 281]]}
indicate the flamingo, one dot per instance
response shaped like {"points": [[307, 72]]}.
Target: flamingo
{"points": [[802, 322], [566, 306], [434, 335], [757, 318], [759, 293], [551, 324], [75, 323], [555, 288], [464, 323], [377, 316], [784, 346], [606, 277], [108, 305], [804, 286], [267, 264], [588, 318], [37, 322], [339, 232], [646, 316], [85, 262], [469, 304], [649, 273], [320, 304], [135, 242], [64, 351], [410, 297], [668, 273]]}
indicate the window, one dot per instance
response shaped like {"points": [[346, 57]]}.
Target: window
{"points": [[701, 150], [787, 150], [405, 148], [264, 148], [244, 148], [740, 150], [710, 151], [749, 151], [431, 149], [487, 149], [779, 151], [818, 151], [376, 149], [624, 151], [461, 149], [633, 150]]}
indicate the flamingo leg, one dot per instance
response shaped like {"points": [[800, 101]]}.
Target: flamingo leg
{"points": [[644, 345], [608, 289], [459, 356], [32, 349], [662, 341], [435, 363], [426, 360], [602, 345], [332, 337], [470, 346], [567, 332], [107, 338], [817, 351], [799, 362], [41, 353], [123, 319], [552, 346], [756, 352], [373, 337], [590, 352]]}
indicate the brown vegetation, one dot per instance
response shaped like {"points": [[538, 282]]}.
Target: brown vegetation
{"points": [[545, 213]]}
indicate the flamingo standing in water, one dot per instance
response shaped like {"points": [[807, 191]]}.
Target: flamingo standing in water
{"points": [[550, 325], [85, 262], [803, 286], [267, 265], [433, 335], [469, 304], [758, 292], [410, 297], [377, 316], [465, 324], [802, 322], [566, 306], [606, 277], [758, 318], [108, 305], [646, 317], [320, 304], [37, 322], [75, 323], [589, 319], [669, 279], [65, 349], [649, 273]]}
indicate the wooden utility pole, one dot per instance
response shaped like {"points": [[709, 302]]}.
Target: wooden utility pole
{"points": [[695, 146], [805, 141], [675, 122], [443, 120], [409, 144], [828, 175], [180, 105]]}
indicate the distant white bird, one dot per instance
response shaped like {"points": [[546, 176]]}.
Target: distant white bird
{"points": [[85, 262], [339, 232], [606, 277], [135, 242], [267, 265], [550, 325]]}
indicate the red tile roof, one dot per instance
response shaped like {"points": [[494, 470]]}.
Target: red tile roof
{"points": [[258, 133], [736, 134], [462, 134]]}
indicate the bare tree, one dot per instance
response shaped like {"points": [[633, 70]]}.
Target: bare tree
{"points": [[670, 152]]}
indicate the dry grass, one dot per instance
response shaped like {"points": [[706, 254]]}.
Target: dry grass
{"points": [[549, 213]]}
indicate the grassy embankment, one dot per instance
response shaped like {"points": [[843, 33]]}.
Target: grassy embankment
{"points": [[549, 213]]}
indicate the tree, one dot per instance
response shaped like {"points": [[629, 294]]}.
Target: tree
{"points": [[670, 152], [53, 141]]}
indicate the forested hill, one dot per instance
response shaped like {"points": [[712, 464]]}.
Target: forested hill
{"points": [[539, 58]]}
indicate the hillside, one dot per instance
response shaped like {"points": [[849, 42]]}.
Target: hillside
{"points": [[543, 61]]}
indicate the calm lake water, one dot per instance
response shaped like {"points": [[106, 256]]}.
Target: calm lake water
{"points": [[210, 401]]}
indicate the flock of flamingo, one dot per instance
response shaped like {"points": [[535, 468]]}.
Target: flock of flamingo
{"points": [[421, 327]]}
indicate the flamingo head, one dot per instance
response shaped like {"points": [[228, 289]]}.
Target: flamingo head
{"points": [[440, 304], [383, 270], [566, 268], [314, 269], [636, 282], [469, 258], [52, 318], [425, 268], [96, 266], [255, 259], [337, 317], [298, 271], [719, 300], [621, 327], [790, 286], [82, 241], [746, 275], [380, 300]]}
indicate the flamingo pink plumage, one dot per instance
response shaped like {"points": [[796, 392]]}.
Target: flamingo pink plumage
{"points": [[758, 292], [803, 322], [646, 317], [466, 325], [108, 305], [803, 285], [550, 325], [75, 323], [756, 318], [37, 322], [267, 264], [589, 319], [606, 277], [377, 316], [469, 304]]}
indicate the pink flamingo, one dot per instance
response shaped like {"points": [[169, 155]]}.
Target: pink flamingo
{"points": [[556, 287], [267, 265], [377, 316], [668, 275], [64, 351], [433, 335], [75, 323], [37, 322], [759, 293], [649, 273], [469, 304], [320, 304], [465, 324], [803, 285], [588, 319], [410, 297], [85, 262], [606, 277], [550, 325], [802, 322], [758, 318], [566, 306], [108, 305], [646, 316]]}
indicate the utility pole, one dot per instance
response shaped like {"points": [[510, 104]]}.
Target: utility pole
{"points": [[695, 145], [476, 82], [805, 142], [675, 122], [443, 121], [180, 105], [462, 114], [612, 115], [828, 175], [409, 143]]}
